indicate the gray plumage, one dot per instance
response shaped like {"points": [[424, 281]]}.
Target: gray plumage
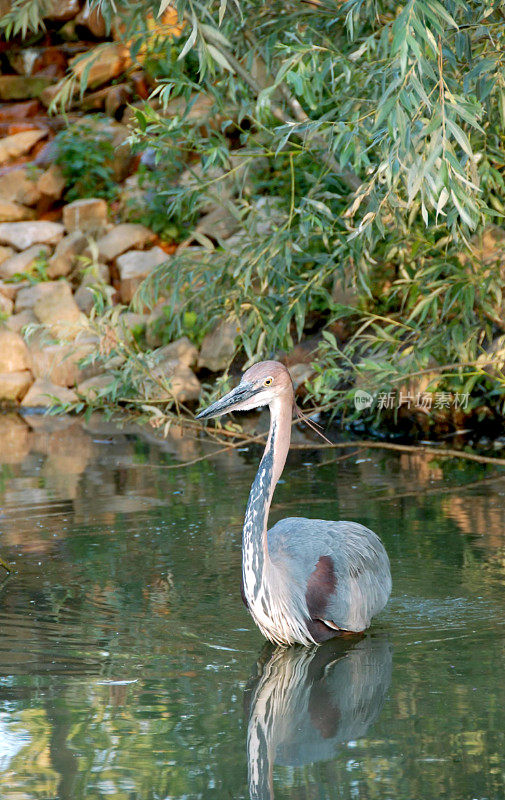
{"points": [[304, 580], [361, 565]]}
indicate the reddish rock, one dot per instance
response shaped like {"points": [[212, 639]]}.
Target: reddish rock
{"points": [[19, 143], [14, 354], [18, 111], [22, 262], [42, 393], [88, 216], [20, 186], [14, 212]]}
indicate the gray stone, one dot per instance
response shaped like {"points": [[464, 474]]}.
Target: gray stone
{"points": [[88, 216], [6, 306], [218, 347], [14, 212], [300, 373], [64, 257], [14, 386], [20, 186], [219, 224], [5, 253], [22, 262], [19, 143], [182, 350], [122, 238], [134, 267], [22, 235], [19, 321], [42, 393], [59, 311], [52, 183], [175, 382], [92, 387], [14, 355], [98, 275], [28, 296]]}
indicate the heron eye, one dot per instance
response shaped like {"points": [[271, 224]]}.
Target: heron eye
{"points": [[268, 381]]}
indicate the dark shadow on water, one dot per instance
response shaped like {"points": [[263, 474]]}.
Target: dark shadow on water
{"points": [[304, 703]]}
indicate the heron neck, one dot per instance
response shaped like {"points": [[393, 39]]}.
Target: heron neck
{"points": [[254, 544]]}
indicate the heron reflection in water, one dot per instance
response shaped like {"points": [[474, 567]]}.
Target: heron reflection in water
{"points": [[304, 580], [304, 703]]}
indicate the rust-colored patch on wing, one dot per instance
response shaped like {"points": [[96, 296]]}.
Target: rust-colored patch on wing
{"points": [[320, 586]]}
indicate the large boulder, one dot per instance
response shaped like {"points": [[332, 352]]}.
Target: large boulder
{"points": [[182, 350], [22, 235], [134, 267], [122, 238], [101, 64]]}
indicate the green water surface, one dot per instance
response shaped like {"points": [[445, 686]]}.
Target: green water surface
{"points": [[129, 669]]}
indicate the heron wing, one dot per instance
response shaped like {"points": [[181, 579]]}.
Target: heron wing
{"points": [[342, 567]]}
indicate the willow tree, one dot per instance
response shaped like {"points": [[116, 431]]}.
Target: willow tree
{"points": [[365, 144]]}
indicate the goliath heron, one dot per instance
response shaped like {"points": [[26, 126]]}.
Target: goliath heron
{"points": [[304, 580]]}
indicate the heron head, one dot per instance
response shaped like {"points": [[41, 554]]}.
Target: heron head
{"points": [[261, 384]]}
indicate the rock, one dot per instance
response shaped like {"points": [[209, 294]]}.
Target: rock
{"points": [[300, 373], [182, 350], [14, 212], [93, 20], [64, 257], [6, 306], [22, 235], [134, 267], [19, 111], [22, 262], [178, 383], [59, 311], [29, 295], [61, 10], [52, 183], [84, 296], [9, 290], [42, 394], [218, 347], [19, 143], [14, 386], [87, 216], [156, 323], [20, 186], [5, 253], [267, 214], [101, 64], [59, 362], [14, 355], [19, 321], [111, 98], [130, 323], [92, 387], [20, 87], [121, 238], [220, 224]]}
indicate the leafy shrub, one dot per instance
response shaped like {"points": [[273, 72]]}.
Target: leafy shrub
{"points": [[85, 154]]}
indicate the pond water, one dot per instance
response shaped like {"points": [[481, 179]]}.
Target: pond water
{"points": [[130, 669]]}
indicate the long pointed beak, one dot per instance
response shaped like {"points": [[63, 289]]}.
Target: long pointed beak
{"points": [[239, 395]]}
